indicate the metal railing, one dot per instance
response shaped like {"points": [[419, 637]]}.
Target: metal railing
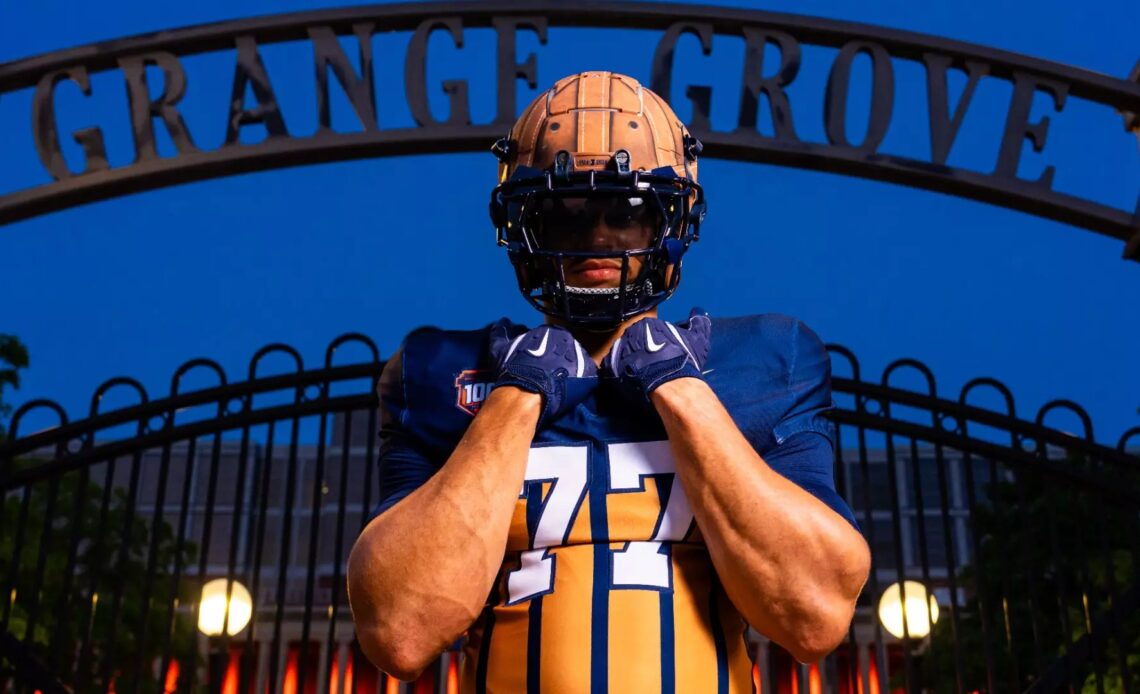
{"points": [[1028, 536]]}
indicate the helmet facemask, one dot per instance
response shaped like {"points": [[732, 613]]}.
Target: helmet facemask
{"points": [[557, 222], [594, 147]]}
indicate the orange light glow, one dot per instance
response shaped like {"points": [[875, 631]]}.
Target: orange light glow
{"points": [[393, 686], [173, 670], [873, 674], [756, 678], [453, 674], [289, 686], [795, 679], [348, 673], [815, 682], [233, 672]]}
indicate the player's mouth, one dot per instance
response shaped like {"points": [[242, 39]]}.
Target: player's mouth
{"points": [[595, 272]]}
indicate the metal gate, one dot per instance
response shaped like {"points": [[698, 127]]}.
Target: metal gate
{"points": [[1028, 537]]}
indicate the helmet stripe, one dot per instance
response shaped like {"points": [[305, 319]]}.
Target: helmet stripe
{"points": [[608, 118], [650, 118], [581, 101]]}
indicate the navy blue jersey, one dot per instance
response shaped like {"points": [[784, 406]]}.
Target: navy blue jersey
{"points": [[606, 584]]}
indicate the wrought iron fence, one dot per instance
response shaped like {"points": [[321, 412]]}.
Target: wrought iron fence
{"points": [[1027, 536]]}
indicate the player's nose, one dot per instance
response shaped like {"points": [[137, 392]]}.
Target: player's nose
{"points": [[601, 237]]}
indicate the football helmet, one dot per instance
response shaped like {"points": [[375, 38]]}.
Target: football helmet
{"points": [[597, 179]]}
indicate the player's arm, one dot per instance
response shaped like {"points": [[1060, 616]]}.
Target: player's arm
{"points": [[420, 572], [791, 564]]}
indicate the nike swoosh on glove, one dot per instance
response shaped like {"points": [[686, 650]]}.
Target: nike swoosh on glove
{"points": [[546, 360], [652, 351]]}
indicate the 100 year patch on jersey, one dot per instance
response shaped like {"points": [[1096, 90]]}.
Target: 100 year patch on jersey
{"points": [[472, 387]]}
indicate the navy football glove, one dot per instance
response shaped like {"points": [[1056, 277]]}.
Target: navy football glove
{"points": [[546, 360], [652, 351]]}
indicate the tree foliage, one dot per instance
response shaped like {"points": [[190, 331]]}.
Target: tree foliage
{"points": [[1051, 555], [70, 613], [13, 357]]}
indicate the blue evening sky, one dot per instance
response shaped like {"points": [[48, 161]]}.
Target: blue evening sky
{"points": [[138, 285]]}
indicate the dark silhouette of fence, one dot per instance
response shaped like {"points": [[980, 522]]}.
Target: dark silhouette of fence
{"points": [[114, 522]]}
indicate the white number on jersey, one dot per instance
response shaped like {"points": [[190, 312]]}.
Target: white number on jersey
{"points": [[639, 564], [565, 468]]}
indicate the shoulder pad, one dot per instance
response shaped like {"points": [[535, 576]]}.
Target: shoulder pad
{"points": [[753, 366], [760, 345], [447, 375]]}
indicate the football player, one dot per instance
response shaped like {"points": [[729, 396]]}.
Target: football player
{"points": [[604, 501]]}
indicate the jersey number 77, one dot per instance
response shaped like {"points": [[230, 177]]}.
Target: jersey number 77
{"points": [[637, 565]]}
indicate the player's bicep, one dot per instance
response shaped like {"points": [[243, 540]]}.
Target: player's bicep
{"points": [[808, 459]]}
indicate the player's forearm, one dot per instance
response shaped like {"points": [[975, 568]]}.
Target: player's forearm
{"points": [[419, 574], [792, 566]]}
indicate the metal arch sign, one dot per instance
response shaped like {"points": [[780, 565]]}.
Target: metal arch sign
{"points": [[761, 86]]}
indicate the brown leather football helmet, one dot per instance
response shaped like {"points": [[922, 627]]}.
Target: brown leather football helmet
{"points": [[597, 143]]}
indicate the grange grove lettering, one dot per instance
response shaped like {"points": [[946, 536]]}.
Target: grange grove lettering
{"points": [[260, 133], [943, 127], [250, 77]]}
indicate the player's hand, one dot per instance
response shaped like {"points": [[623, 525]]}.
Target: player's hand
{"points": [[546, 360], [652, 351]]}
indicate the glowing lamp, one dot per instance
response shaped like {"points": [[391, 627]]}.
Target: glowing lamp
{"points": [[921, 610], [212, 608]]}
